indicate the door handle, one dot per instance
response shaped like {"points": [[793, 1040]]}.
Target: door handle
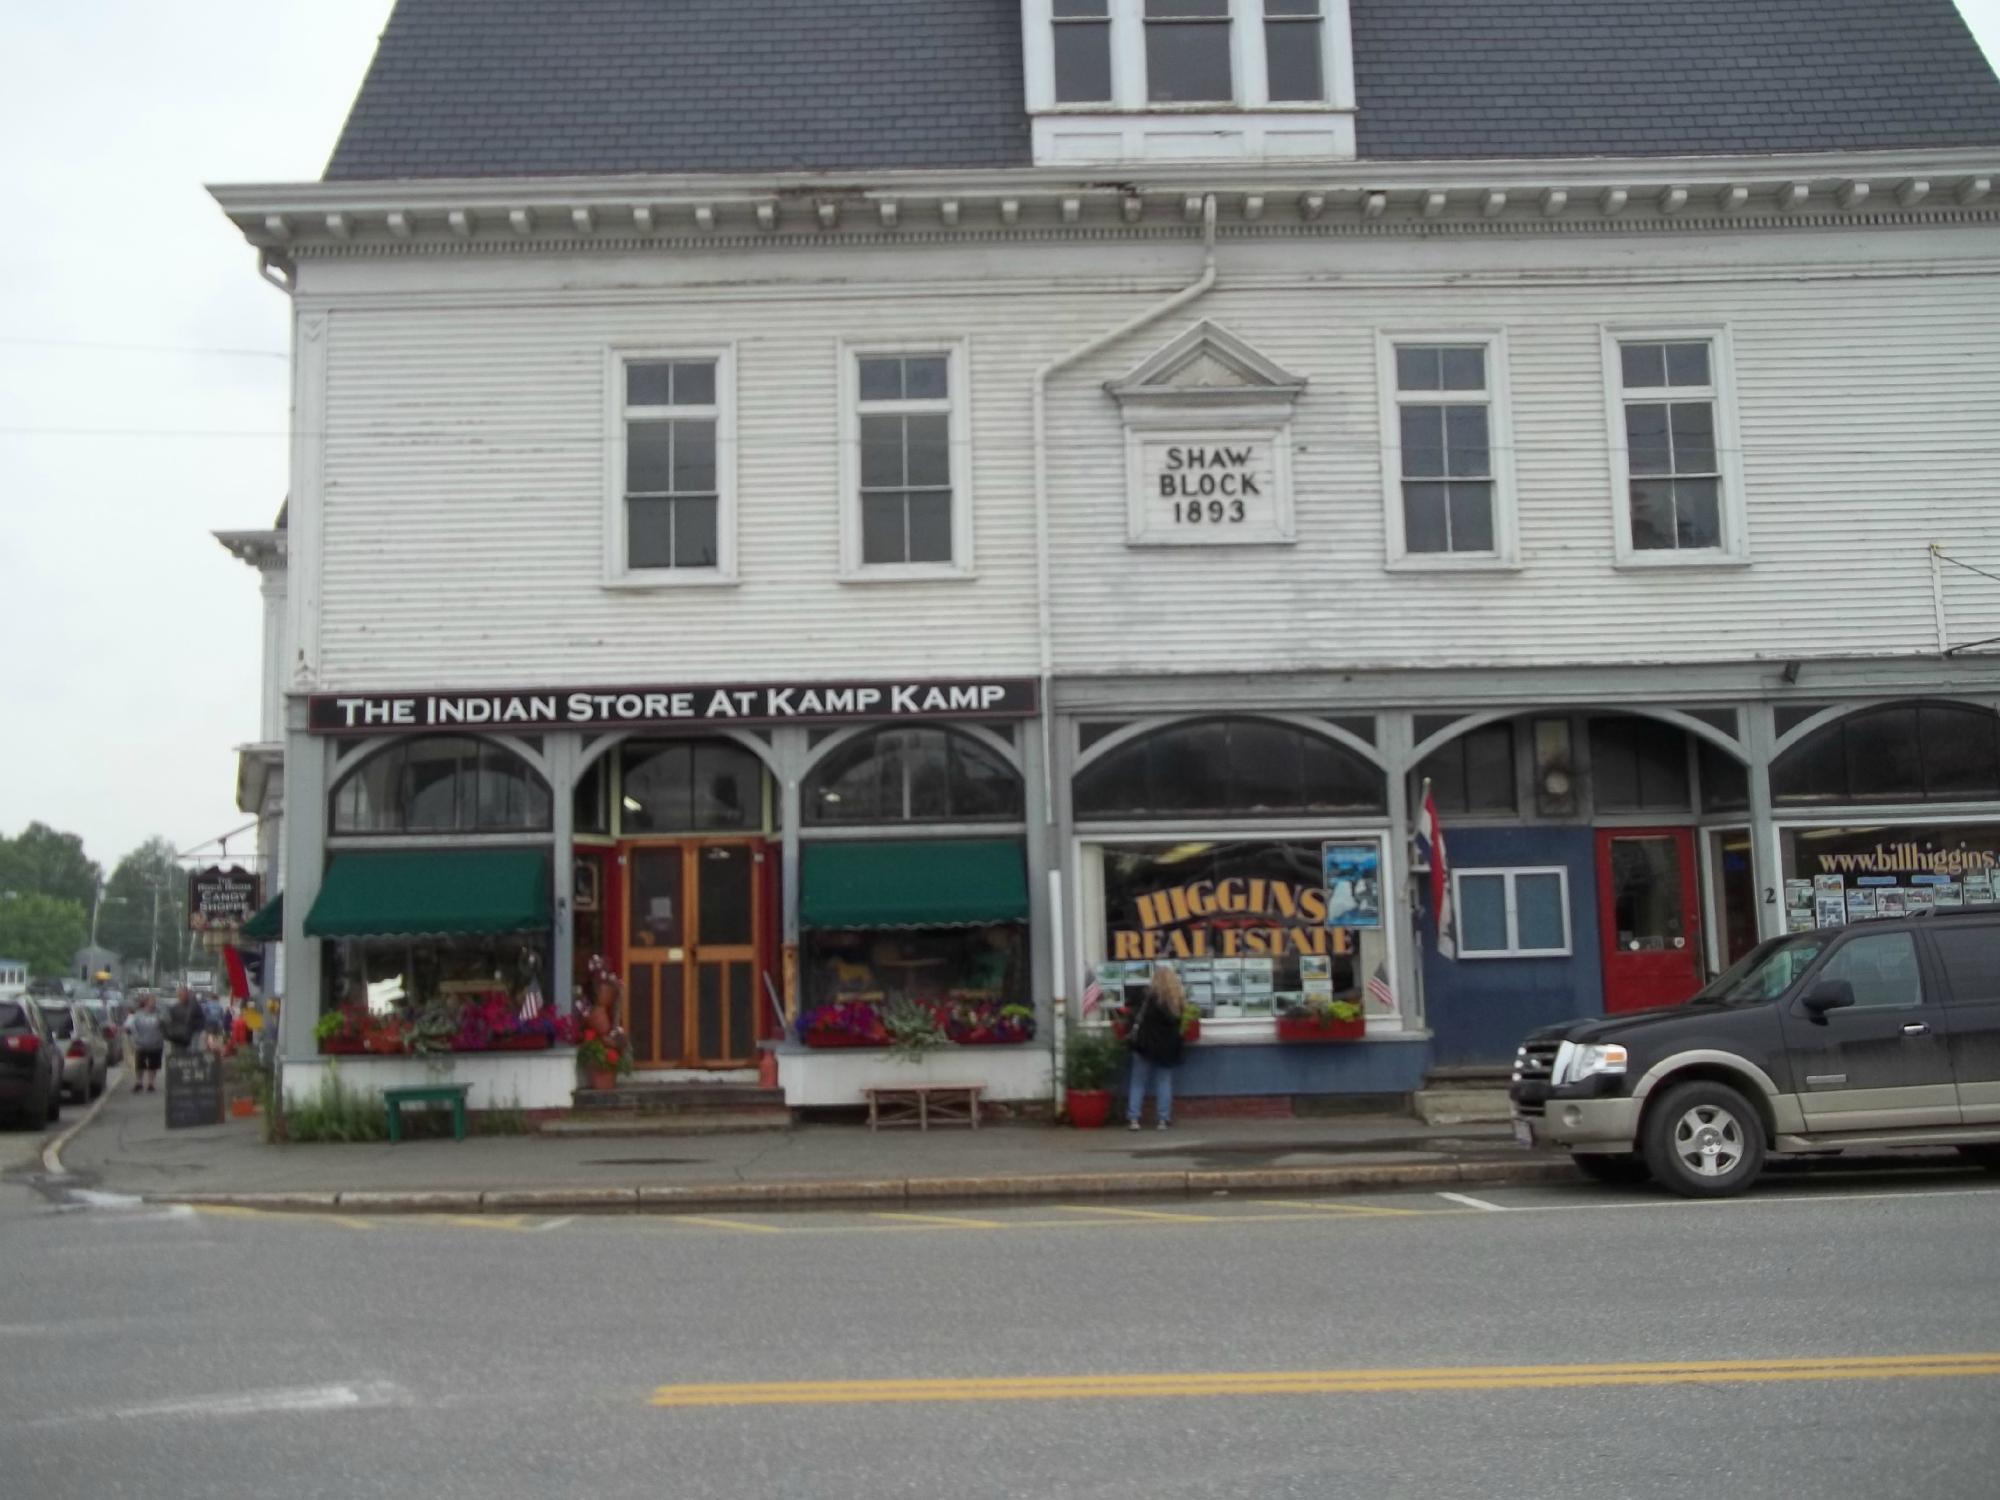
{"points": [[1916, 1028]]}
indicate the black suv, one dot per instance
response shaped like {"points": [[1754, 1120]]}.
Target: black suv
{"points": [[30, 1065], [1886, 1033]]}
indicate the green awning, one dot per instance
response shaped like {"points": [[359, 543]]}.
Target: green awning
{"points": [[432, 893], [935, 883], [267, 923]]}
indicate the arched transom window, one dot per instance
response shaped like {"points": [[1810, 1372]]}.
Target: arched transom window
{"points": [[441, 784], [913, 776], [1247, 768]]}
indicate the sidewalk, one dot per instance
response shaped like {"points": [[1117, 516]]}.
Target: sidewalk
{"points": [[128, 1149]]}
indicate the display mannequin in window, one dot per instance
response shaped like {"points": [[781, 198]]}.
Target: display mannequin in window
{"points": [[1156, 1046]]}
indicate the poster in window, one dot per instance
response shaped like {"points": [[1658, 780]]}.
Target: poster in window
{"points": [[1829, 885], [1890, 903], [1798, 905], [586, 894], [1353, 875], [1950, 896], [1860, 905], [1978, 887], [1831, 911], [1919, 901]]}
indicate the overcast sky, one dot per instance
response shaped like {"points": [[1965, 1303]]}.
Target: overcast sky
{"points": [[143, 389]]}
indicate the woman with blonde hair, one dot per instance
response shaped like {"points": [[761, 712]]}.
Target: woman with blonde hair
{"points": [[1156, 1046]]}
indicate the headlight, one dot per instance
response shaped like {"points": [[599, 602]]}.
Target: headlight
{"points": [[1576, 1061]]}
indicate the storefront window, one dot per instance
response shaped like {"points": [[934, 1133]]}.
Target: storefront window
{"points": [[441, 784], [1850, 874], [1474, 773], [1725, 780], [444, 994], [591, 807], [1638, 765], [1253, 927], [690, 786], [912, 776], [971, 984], [1241, 767], [1906, 752]]}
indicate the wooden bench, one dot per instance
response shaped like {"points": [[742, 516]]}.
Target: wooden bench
{"points": [[428, 1093], [919, 1104]]}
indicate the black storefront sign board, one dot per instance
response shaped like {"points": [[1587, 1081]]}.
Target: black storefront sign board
{"points": [[707, 706], [194, 1089], [222, 899]]}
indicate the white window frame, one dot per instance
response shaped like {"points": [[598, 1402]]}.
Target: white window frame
{"points": [[958, 404], [1734, 550], [1249, 66], [618, 574], [1510, 874], [1506, 553]]}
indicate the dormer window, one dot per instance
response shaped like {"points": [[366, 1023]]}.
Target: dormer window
{"points": [[1185, 80]]}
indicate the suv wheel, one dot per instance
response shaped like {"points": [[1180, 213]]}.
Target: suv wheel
{"points": [[1987, 1156], [1621, 1167], [1704, 1140]]}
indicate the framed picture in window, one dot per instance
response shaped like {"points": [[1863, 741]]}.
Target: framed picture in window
{"points": [[584, 895]]}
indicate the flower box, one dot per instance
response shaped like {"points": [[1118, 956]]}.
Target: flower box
{"points": [[826, 1037], [525, 1041], [342, 1047], [1318, 1029]]}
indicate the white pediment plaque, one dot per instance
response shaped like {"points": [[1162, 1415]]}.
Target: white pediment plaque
{"points": [[1208, 444]]}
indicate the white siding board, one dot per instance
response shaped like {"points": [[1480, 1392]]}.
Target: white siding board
{"points": [[464, 466]]}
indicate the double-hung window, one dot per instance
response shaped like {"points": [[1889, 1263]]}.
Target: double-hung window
{"points": [[672, 454], [1674, 459], [1294, 50], [908, 512], [1521, 913], [1138, 54], [1188, 52], [1082, 31], [1448, 458]]}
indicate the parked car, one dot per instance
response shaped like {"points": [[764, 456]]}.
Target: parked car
{"points": [[86, 1064], [1881, 1034], [109, 1017], [30, 1069]]}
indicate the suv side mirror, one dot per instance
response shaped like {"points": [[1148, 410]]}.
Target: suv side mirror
{"points": [[1828, 994]]}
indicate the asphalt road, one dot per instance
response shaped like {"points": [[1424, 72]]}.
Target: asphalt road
{"points": [[1549, 1342]]}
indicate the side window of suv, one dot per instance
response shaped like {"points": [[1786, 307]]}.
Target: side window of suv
{"points": [[1971, 959], [1882, 967]]}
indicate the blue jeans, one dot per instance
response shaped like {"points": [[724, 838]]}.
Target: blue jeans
{"points": [[1162, 1080]]}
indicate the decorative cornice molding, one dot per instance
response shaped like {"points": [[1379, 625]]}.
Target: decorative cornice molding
{"points": [[567, 215]]}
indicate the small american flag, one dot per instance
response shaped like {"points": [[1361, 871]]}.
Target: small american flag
{"points": [[531, 1002], [1378, 988], [1093, 996]]}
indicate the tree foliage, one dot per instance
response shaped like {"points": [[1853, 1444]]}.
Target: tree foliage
{"points": [[42, 931], [48, 862], [126, 923]]}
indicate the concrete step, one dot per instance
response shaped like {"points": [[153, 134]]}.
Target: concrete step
{"points": [[1462, 1106], [682, 1099], [1470, 1075], [708, 1123]]}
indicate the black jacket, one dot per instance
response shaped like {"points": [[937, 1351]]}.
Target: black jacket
{"points": [[1156, 1033]]}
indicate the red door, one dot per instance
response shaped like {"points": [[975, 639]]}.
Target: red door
{"points": [[1647, 911]]}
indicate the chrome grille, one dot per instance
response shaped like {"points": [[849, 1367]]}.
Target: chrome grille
{"points": [[1536, 1062]]}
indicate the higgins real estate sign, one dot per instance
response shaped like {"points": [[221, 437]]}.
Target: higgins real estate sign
{"points": [[626, 707]]}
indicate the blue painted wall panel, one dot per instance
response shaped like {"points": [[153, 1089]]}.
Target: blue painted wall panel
{"points": [[1211, 1070], [1480, 1008]]}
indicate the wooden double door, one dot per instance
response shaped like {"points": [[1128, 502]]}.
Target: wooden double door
{"points": [[695, 913]]}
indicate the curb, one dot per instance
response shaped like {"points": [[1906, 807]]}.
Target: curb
{"points": [[52, 1152], [876, 1191]]}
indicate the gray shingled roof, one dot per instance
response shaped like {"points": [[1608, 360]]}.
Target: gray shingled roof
{"points": [[475, 88]]}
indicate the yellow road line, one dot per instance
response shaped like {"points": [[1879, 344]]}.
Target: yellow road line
{"points": [[1342, 1208], [514, 1223], [727, 1224], [1139, 1213], [1324, 1382], [238, 1211], [948, 1221]]}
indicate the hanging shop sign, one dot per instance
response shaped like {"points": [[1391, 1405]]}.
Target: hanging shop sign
{"points": [[657, 707], [222, 900], [1236, 917]]}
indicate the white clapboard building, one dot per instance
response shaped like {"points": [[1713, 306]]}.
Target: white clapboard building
{"points": [[864, 517]]}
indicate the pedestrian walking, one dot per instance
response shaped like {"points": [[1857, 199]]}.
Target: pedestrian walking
{"points": [[148, 1037], [1156, 1046], [185, 1024]]}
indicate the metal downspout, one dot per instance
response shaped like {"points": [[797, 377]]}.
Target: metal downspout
{"points": [[1044, 605]]}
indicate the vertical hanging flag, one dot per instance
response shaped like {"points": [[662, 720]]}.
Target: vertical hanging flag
{"points": [[1093, 996], [239, 976], [1430, 845], [531, 1001], [1379, 991]]}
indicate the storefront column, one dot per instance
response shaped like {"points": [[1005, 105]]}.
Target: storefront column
{"points": [[1061, 841], [307, 775], [1396, 737], [562, 753], [1043, 855], [1759, 736], [789, 750]]}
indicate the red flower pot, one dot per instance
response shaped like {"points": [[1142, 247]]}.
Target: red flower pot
{"points": [[1089, 1109], [1315, 1029], [602, 1078], [1191, 1030]]}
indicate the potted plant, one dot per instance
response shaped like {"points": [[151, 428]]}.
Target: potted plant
{"points": [[1322, 1021], [339, 1031], [844, 1023], [604, 1057], [1190, 1023], [1088, 1068]]}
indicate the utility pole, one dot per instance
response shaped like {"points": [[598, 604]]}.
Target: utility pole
{"points": [[153, 963]]}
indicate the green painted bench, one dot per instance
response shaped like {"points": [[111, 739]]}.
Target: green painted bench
{"points": [[429, 1093]]}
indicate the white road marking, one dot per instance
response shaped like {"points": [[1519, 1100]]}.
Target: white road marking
{"points": [[1471, 1202], [362, 1396], [52, 1153], [554, 1224]]}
